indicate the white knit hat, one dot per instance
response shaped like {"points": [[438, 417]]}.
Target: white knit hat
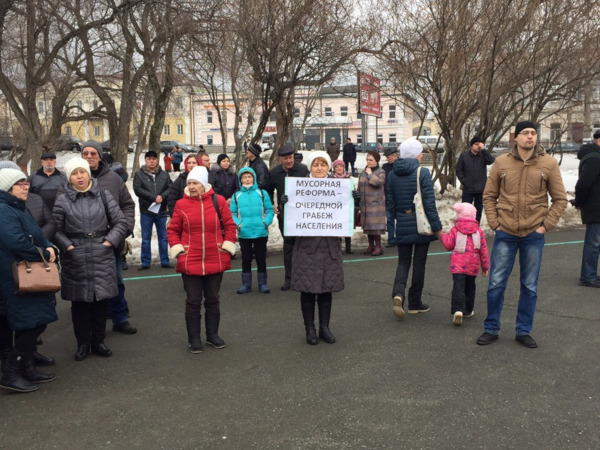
{"points": [[9, 177], [77, 163], [318, 154], [199, 174], [411, 148]]}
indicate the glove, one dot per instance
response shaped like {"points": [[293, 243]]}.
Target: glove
{"points": [[284, 199], [356, 195], [127, 248]]}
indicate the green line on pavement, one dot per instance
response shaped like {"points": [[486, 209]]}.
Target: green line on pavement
{"points": [[348, 261]]}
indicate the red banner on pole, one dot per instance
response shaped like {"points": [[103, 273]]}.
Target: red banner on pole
{"points": [[369, 95]]}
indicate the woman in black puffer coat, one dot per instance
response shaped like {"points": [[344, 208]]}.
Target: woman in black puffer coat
{"points": [[223, 179], [89, 223], [25, 314]]}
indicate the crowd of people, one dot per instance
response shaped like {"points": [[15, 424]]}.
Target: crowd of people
{"points": [[86, 213]]}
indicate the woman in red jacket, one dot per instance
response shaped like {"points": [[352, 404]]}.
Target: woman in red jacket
{"points": [[202, 239]]}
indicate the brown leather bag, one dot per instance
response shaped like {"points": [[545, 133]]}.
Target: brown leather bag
{"points": [[37, 276]]}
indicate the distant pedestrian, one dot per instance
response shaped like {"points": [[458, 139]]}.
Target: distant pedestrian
{"points": [[340, 172], [471, 170], [349, 151], [469, 251], [168, 161], [391, 155], [587, 199], [223, 178], [371, 185], [177, 155], [333, 149]]}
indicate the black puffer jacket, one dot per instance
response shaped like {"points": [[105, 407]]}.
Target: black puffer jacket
{"points": [[224, 182], [587, 189], [89, 270], [261, 170], [41, 214], [176, 191], [47, 187], [472, 172], [147, 186]]}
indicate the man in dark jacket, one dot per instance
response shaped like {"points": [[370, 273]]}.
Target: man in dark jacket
{"points": [[91, 151], [349, 151], [391, 155], [288, 168], [258, 165], [47, 180], [151, 185], [472, 172], [587, 199]]}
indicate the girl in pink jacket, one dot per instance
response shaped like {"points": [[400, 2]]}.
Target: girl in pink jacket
{"points": [[470, 250]]}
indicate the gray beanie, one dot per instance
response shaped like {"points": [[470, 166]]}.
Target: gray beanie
{"points": [[9, 165], [92, 144], [9, 177]]}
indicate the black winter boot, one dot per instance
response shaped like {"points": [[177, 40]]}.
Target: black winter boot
{"points": [[262, 282], [307, 303], [348, 242], [193, 324], [4, 352], [31, 374], [212, 320], [324, 316], [12, 379], [246, 283]]}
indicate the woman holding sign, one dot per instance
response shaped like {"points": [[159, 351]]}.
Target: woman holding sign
{"points": [[317, 269]]}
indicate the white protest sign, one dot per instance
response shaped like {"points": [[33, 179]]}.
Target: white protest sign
{"points": [[319, 207]]}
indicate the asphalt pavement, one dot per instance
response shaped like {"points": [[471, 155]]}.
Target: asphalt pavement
{"points": [[416, 383]]}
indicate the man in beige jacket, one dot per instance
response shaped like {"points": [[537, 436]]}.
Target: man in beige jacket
{"points": [[516, 206]]}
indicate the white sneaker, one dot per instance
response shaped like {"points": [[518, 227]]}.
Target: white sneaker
{"points": [[399, 307], [458, 317]]}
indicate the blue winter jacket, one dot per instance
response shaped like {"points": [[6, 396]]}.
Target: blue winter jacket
{"points": [[17, 232], [400, 190], [251, 209]]}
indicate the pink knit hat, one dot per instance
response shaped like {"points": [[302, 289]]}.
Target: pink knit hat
{"points": [[465, 211]]}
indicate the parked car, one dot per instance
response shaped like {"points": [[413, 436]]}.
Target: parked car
{"points": [[106, 147], [370, 146], [70, 143], [567, 147], [167, 146], [433, 142]]}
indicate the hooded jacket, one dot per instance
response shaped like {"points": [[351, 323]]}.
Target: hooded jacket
{"points": [[195, 225], [587, 189], [19, 237], [516, 193], [89, 270], [467, 262], [147, 186], [400, 190], [251, 209]]}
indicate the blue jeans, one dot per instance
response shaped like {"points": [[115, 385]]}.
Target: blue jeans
{"points": [[391, 226], [504, 252], [118, 305], [146, 222], [591, 250]]}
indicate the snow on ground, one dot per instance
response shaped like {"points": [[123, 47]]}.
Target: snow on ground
{"points": [[571, 216]]}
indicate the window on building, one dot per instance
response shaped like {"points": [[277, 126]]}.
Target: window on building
{"points": [[209, 117], [359, 115], [209, 139], [379, 138], [273, 117], [308, 112], [328, 111], [179, 129], [96, 131], [80, 105], [344, 111], [68, 131], [392, 109], [393, 137], [41, 108], [95, 104], [359, 138], [554, 132], [296, 112], [167, 129]]}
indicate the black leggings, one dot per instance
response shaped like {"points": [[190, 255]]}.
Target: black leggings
{"points": [[25, 339], [89, 321], [260, 252]]}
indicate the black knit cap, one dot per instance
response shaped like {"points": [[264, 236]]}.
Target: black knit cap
{"points": [[597, 134], [221, 157], [475, 140], [255, 149], [285, 150], [523, 125]]}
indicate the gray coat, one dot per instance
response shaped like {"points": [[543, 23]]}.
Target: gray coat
{"points": [[89, 270], [317, 265]]}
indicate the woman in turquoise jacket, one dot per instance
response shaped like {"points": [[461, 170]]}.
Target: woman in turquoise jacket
{"points": [[253, 213]]}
